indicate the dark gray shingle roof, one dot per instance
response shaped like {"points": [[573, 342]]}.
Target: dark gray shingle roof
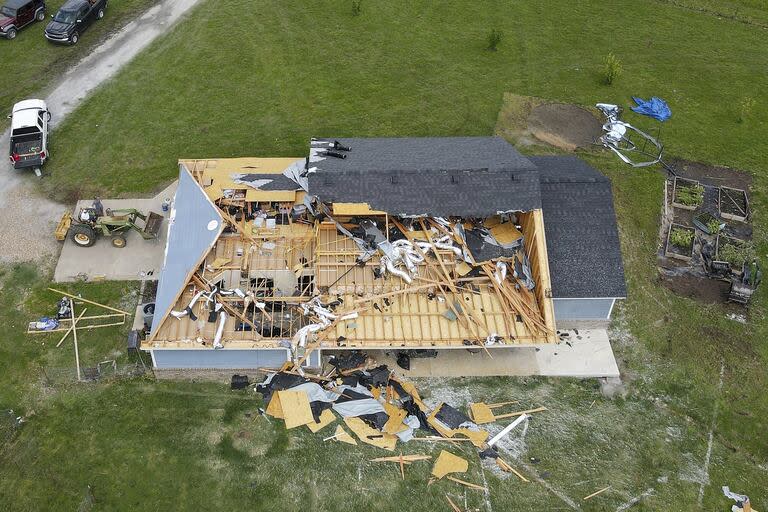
{"points": [[437, 176], [580, 226], [437, 193], [423, 153]]}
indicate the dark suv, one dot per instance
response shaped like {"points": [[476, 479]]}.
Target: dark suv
{"points": [[73, 18], [15, 14]]}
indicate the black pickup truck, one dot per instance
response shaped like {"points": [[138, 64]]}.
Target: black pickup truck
{"points": [[72, 19]]}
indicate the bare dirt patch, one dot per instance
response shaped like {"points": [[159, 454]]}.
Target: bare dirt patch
{"points": [[708, 291], [530, 121], [713, 175], [564, 126]]}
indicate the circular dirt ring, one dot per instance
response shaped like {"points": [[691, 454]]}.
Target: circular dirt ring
{"points": [[564, 126]]}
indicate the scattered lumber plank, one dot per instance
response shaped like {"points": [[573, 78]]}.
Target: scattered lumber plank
{"points": [[601, 491]]}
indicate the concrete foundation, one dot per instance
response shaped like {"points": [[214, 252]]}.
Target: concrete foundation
{"points": [[588, 355], [139, 259]]}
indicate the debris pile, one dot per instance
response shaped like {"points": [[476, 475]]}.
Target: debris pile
{"points": [[382, 410]]}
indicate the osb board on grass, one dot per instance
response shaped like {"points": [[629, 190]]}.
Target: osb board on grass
{"points": [[527, 121]]}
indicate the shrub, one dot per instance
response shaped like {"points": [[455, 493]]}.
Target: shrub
{"points": [[682, 238], [691, 195], [611, 69], [736, 252], [357, 7], [493, 39]]}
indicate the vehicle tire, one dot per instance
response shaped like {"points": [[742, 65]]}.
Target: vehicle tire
{"points": [[40, 15], [100, 14], [83, 235], [118, 241], [75, 38], [11, 34]]}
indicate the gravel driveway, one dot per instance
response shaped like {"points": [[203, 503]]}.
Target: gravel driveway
{"points": [[26, 231]]}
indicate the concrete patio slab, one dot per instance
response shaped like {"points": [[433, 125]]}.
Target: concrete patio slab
{"points": [[586, 354], [139, 259]]}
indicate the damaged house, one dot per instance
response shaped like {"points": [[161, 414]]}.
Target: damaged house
{"points": [[393, 244]]}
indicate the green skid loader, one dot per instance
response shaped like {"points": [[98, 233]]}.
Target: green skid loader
{"points": [[95, 221]]}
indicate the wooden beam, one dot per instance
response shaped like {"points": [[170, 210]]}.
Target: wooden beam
{"points": [[74, 335], [71, 328], [601, 491], [89, 301], [468, 484]]}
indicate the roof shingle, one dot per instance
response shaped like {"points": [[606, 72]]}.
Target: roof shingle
{"points": [[580, 225]]}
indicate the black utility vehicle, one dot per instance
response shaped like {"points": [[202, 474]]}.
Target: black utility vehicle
{"points": [[73, 18], [16, 14]]}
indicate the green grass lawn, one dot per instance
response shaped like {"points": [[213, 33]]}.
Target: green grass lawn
{"points": [[29, 63], [145, 445], [260, 82]]}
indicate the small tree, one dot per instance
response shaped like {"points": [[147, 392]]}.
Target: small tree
{"points": [[357, 7], [493, 39], [611, 69]]}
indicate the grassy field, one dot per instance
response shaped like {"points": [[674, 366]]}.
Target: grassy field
{"points": [[136, 444], [261, 82], [29, 62]]}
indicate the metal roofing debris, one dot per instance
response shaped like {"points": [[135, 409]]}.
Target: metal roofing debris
{"points": [[194, 225], [582, 236]]}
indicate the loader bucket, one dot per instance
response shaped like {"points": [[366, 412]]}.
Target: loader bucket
{"points": [[63, 227], [152, 225]]}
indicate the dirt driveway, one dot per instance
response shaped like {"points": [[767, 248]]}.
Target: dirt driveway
{"points": [[26, 231]]}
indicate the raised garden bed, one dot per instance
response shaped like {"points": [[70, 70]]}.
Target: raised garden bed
{"points": [[734, 252], [687, 194], [708, 223], [734, 204], [680, 241]]}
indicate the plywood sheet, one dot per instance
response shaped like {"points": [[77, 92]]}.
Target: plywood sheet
{"points": [[449, 463], [343, 436], [354, 209], [481, 413], [296, 409], [394, 424], [370, 435], [326, 418]]}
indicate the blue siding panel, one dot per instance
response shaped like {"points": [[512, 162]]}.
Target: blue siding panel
{"points": [[228, 359], [582, 309]]}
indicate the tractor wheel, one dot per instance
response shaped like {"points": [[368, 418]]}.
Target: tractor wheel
{"points": [[83, 235], [118, 241]]}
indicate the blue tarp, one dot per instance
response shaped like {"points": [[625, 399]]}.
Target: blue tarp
{"points": [[656, 108]]}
